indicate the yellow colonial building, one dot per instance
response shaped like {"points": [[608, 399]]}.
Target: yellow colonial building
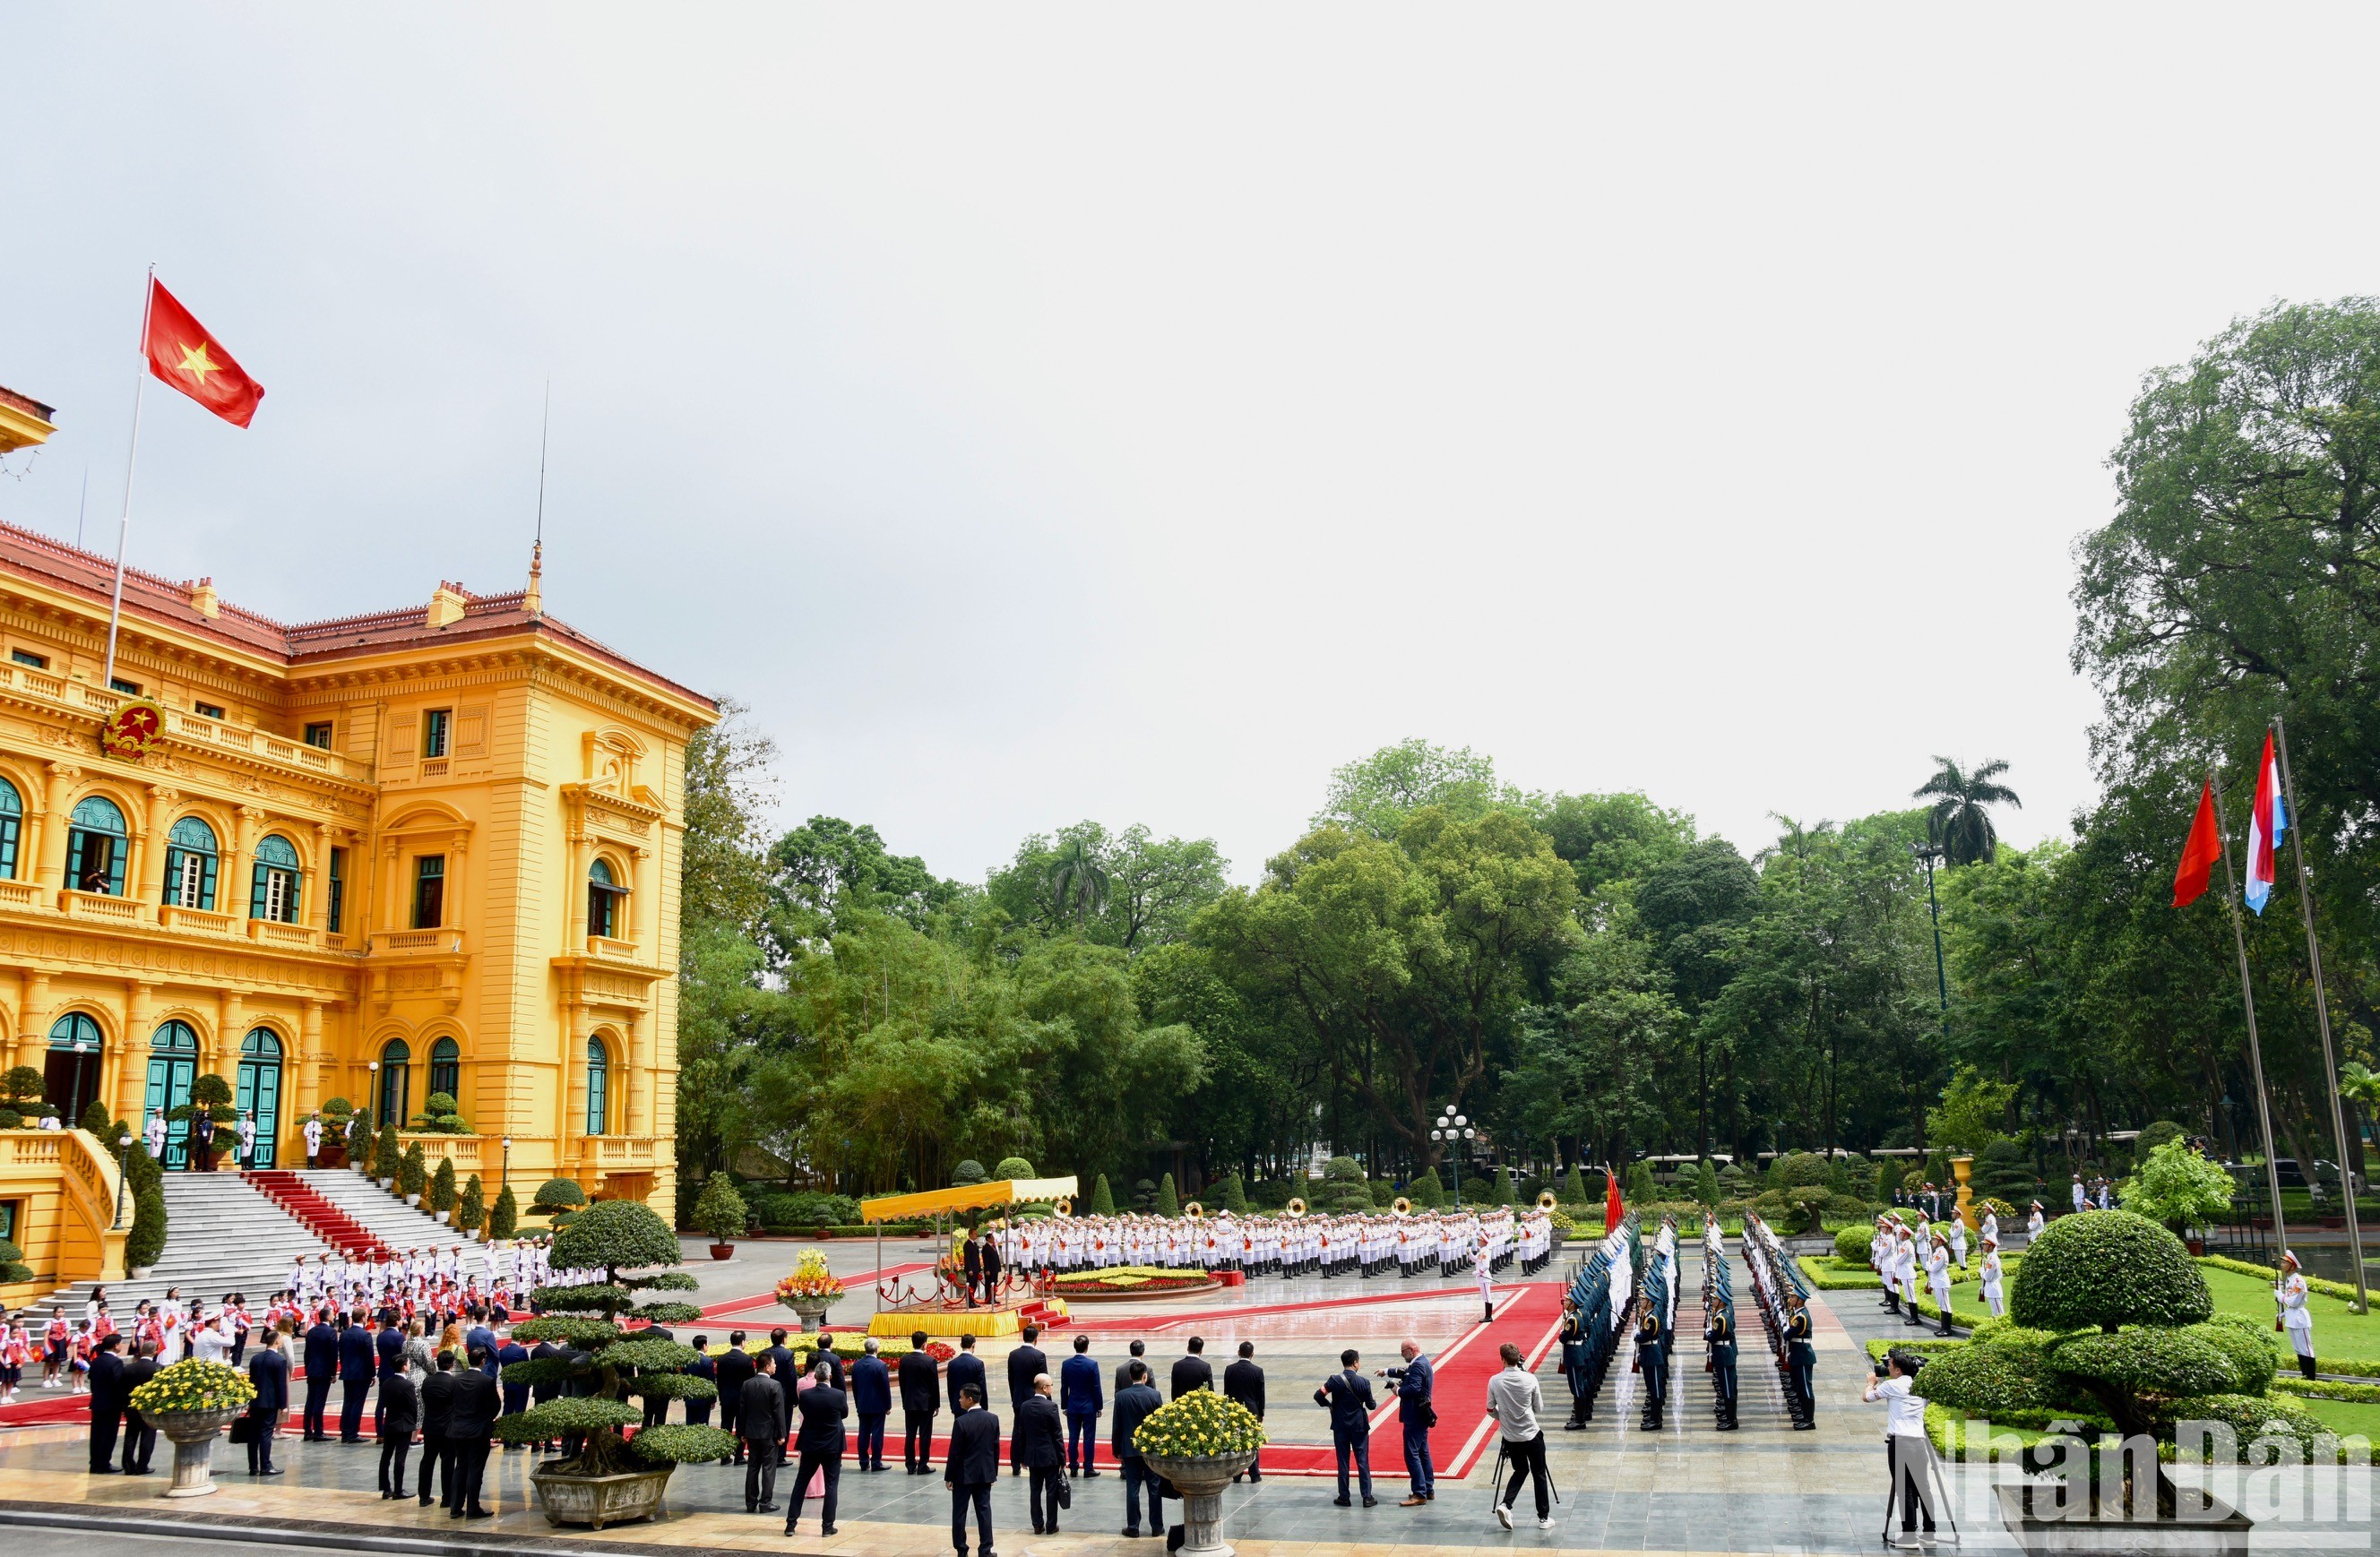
{"points": [[428, 849]]}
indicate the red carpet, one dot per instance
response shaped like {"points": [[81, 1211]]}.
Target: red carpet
{"points": [[37, 1407]]}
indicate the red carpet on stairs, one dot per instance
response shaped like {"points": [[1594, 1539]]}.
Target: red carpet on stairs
{"points": [[321, 1218]]}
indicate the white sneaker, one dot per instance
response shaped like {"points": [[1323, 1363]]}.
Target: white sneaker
{"points": [[1504, 1516], [1546, 1523]]}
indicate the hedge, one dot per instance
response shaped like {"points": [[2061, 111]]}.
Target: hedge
{"points": [[2325, 1389]]}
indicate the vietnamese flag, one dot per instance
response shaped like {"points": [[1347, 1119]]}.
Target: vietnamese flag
{"points": [[2198, 855], [1612, 1211], [185, 355]]}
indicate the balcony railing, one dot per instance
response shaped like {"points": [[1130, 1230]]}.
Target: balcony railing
{"points": [[19, 894], [197, 922], [270, 932], [417, 943], [99, 905]]}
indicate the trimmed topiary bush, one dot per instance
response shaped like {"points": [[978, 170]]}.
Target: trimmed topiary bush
{"points": [[505, 1217], [146, 1240], [473, 1210], [1426, 1190], [1853, 1243], [2254, 1361], [23, 1084], [1012, 1167], [1102, 1198], [413, 1171], [387, 1153], [1235, 1197], [2104, 1271], [1999, 1377], [2248, 1416], [721, 1210], [969, 1171], [13, 1268], [1167, 1202], [558, 1201]]}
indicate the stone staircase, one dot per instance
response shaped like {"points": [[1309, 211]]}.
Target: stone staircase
{"points": [[385, 1217], [221, 1235]]}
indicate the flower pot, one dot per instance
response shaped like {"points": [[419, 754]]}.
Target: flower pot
{"points": [[597, 1501], [2196, 1245], [1201, 1479], [413, 1200], [2042, 1528], [331, 1155], [140, 1272], [722, 1250], [811, 1311], [442, 1216], [472, 1233], [388, 1184], [194, 1434]]}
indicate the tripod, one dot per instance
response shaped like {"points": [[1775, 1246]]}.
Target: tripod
{"points": [[1496, 1477], [1937, 1493]]}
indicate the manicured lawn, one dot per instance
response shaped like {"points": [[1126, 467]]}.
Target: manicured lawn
{"points": [[2345, 1417]]}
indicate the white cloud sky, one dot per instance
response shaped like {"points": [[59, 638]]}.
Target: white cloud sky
{"points": [[1043, 412]]}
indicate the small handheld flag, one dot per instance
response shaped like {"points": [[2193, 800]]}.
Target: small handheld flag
{"points": [[2267, 819], [182, 354], [2198, 855]]}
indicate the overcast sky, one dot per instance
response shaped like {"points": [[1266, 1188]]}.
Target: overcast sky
{"points": [[1128, 412]]}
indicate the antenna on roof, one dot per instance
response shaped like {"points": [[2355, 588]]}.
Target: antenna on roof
{"points": [[533, 597]]}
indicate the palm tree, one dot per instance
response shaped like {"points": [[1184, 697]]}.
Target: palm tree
{"points": [[1960, 820], [1076, 876]]}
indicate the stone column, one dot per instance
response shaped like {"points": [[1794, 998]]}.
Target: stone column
{"points": [[149, 886], [313, 1067], [235, 867], [389, 913], [318, 902], [636, 1109], [452, 917], [577, 886], [50, 872], [33, 1019], [132, 1077]]}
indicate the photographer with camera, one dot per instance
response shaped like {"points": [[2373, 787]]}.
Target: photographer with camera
{"points": [[1907, 1454], [1416, 1415]]}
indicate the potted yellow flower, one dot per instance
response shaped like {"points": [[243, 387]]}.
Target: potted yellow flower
{"points": [[1198, 1443], [812, 1289], [190, 1402]]}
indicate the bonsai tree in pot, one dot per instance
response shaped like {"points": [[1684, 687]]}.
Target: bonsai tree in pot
{"points": [[338, 1114], [610, 1479], [211, 1095], [441, 1188], [720, 1212], [440, 1117]]}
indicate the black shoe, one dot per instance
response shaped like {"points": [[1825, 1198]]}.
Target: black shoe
{"points": [[454, 1514], [1131, 1532], [1369, 1502], [766, 1508], [1340, 1503], [1036, 1530], [823, 1529], [1088, 1474], [1254, 1474], [480, 1514], [105, 1470]]}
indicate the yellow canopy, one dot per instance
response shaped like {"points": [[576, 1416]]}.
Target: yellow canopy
{"points": [[967, 1197]]}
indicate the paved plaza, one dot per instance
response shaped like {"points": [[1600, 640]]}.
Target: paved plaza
{"points": [[1686, 1488]]}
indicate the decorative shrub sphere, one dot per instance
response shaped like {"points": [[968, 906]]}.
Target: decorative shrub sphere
{"points": [[2105, 1269]]}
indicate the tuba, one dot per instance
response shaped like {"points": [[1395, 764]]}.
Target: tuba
{"points": [[1296, 1206], [1547, 1200], [1062, 1206], [1401, 1206], [1194, 1211]]}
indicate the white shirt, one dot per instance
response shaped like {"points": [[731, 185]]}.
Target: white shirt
{"points": [[1904, 1414], [2292, 1294], [1515, 1400]]}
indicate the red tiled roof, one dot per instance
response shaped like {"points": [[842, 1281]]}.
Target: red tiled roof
{"points": [[27, 403], [308, 644]]}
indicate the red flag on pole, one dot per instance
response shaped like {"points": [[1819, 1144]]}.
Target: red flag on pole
{"points": [[1611, 1207], [2198, 855], [185, 355]]}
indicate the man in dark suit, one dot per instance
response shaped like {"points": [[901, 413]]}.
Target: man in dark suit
{"points": [[784, 1357], [1192, 1371], [139, 1433], [437, 1410], [468, 1422], [388, 1358], [991, 1270], [321, 1367], [1133, 1404], [268, 1372], [202, 1140], [1347, 1396], [357, 1366], [1038, 1439], [973, 1467], [1137, 1351], [736, 1365], [1025, 1363], [971, 1264], [516, 1396], [761, 1421], [107, 1405], [1244, 1382], [1414, 1382], [833, 1359], [967, 1368], [872, 1402], [1080, 1398], [820, 1441], [921, 1396], [698, 1412]]}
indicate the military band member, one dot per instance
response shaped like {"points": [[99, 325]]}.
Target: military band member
{"points": [[1721, 1339]]}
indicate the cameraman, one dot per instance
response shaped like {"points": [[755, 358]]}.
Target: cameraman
{"points": [[1907, 1454], [1416, 1415]]}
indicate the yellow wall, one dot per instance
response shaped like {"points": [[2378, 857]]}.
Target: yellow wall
{"points": [[64, 1185], [559, 753]]}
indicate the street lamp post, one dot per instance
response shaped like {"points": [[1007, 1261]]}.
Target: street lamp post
{"points": [[506, 1176], [1455, 1130], [123, 1156]]}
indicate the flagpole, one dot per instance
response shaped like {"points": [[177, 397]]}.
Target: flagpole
{"points": [[2347, 1162], [2248, 997], [123, 523]]}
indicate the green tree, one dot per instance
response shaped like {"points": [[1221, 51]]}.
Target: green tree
{"points": [[1573, 1189], [1425, 1192], [1235, 1196], [388, 1154], [473, 1212], [1961, 819], [1077, 879], [721, 1210], [559, 1202], [1102, 1199], [1168, 1203], [1972, 1111], [2178, 1187], [505, 1218], [413, 1171], [442, 1190], [1374, 796]]}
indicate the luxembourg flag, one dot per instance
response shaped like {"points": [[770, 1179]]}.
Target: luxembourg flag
{"points": [[2266, 821]]}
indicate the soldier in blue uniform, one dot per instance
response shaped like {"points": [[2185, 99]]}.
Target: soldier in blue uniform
{"points": [[1720, 1337]]}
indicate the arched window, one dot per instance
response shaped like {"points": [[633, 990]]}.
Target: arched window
{"points": [[172, 1066], [257, 1092], [395, 1083], [191, 864], [607, 903], [71, 1071], [598, 1066], [274, 892], [12, 822], [446, 1067], [96, 841]]}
